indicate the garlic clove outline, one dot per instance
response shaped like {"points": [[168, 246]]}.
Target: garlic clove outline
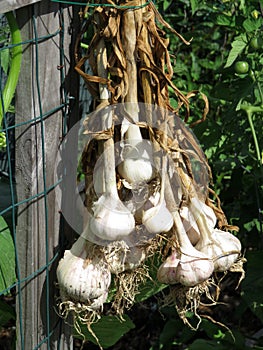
{"points": [[111, 219], [167, 272], [83, 276], [186, 269], [225, 249], [157, 218], [137, 164]]}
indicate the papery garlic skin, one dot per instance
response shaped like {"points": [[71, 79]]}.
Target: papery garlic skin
{"points": [[224, 248], [111, 219], [167, 272], [194, 269], [220, 246], [158, 218], [189, 270], [137, 164], [193, 266], [83, 276], [189, 219], [190, 225]]}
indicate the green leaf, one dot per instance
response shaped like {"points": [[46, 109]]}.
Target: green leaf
{"points": [[151, 287], [201, 344], [7, 313], [194, 5], [237, 47], [7, 256], [250, 25], [108, 330], [4, 59], [166, 4], [224, 20]]}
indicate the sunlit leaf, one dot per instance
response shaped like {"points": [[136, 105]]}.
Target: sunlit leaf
{"points": [[237, 47], [108, 330], [7, 256]]}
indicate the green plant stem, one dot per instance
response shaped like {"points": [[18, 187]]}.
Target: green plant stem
{"points": [[15, 65], [255, 80], [250, 120]]}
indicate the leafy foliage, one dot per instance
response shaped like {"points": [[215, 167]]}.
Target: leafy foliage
{"points": [[108, 330], [7, 257]]}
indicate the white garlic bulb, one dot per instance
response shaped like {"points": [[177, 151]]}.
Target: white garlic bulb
{"points": [[223, 247], [137, 164], [187, 265], [83, 276], [157, 218], [167, 272], [189, 218], [111, 219], [188, 268]]}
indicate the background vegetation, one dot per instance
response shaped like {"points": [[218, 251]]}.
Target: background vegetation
{"points": [[224, 61]]}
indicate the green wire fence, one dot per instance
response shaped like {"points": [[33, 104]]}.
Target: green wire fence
{"points": [[45, 108]]}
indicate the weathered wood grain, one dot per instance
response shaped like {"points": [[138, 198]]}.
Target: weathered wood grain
{"points": [[38, 221], [9, 5]]}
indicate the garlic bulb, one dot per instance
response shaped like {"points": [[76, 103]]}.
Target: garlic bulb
{"points": [[187, 266], [111, 220], [157, 218], [137, 164], [223, 247], [167, 272], [189, 219], [83, 276]]}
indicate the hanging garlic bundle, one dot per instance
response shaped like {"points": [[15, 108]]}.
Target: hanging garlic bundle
{"points": [[83, 275], [137, 210]]}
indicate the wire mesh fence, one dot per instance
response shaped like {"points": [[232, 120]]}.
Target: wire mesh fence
{"points": [[45, 107]]}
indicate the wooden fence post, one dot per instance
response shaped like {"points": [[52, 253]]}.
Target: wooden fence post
{"points": [[38, 220]]}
